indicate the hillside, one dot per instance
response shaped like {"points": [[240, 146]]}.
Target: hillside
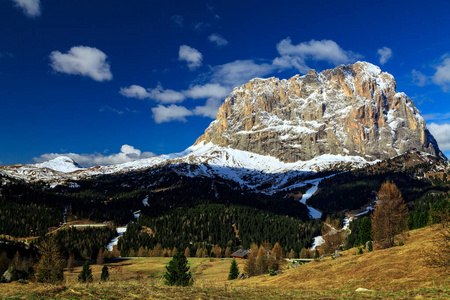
{"points": [[396, 273]]}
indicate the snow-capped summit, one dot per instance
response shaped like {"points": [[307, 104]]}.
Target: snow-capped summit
{"points": [[61, 164]]}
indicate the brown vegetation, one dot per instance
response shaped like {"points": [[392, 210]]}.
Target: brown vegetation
{"points": [[390, 215]]}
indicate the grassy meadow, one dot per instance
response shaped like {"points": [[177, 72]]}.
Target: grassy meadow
{"points": [[395, 273]]}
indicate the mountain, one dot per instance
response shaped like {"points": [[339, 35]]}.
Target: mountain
{"points": [[272, 130], [349, 110]]}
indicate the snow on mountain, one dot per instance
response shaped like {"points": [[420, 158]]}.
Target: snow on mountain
{"points": [[270, 134], [243, 167], [61, 164]]}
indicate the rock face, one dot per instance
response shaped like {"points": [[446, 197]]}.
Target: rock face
{"points": [[349, 110]]}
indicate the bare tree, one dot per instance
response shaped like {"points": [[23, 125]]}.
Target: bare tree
{"points": [[390, 216]]}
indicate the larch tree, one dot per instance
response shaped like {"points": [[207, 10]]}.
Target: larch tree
{"points": [[261, 261], [390, 216], [71, 263], [50, 268], [276, 257], [187, 252], [100, 257], [333, 239], [227, 252], [250, 263]]}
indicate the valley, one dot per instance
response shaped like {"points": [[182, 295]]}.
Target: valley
{"points": [[298, 163]]}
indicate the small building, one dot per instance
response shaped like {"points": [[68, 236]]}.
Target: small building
{"points": [[240, 254]]}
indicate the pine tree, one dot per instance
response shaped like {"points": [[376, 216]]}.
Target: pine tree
{"points": [[234, 270], [86, 273], [50, 268], [187, 252], [365, 231], [105, 274], [390, 215], [178, 271]]}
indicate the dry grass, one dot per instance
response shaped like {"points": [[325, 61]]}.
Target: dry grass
{"points": [[394, 269], [396, 273]]}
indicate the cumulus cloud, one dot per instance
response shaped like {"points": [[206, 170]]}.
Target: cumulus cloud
{"points": [[31, 8], [209, 90], [178, 20], [218, 40], [385, 54], [173, 112], [127, 153], [84, 61], [190, 55], [158, 93], [441, 134], [418, 78], [240, 71], [296, 56], [134, 91], [442, 75]]}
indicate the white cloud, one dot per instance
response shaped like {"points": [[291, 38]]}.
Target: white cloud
{"points": [[158, 93], [442, 75], [209, 110], [178, 20], [385, 54], [31, 8], [441, 134], [173, 112], [418, 78], [218, 40], [296, 56], [190, 55], [82, 60], [240, 71], [127, 153], [165, 96], [209, 90], [134, 91]]}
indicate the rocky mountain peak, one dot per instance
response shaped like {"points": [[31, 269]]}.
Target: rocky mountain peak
{"points": [[349, 110]]}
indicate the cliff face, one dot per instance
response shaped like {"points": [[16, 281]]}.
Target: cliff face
{"points": [[349, 110]]}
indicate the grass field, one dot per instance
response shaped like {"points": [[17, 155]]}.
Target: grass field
{"points": [[396, 273]]}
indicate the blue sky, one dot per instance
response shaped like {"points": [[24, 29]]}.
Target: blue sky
{"points": [[113, 80]]}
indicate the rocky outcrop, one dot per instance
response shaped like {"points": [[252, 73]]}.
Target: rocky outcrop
{"points": [[349, 110]]}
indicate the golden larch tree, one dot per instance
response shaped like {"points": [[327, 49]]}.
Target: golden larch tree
{"points": [[390, 216]]}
